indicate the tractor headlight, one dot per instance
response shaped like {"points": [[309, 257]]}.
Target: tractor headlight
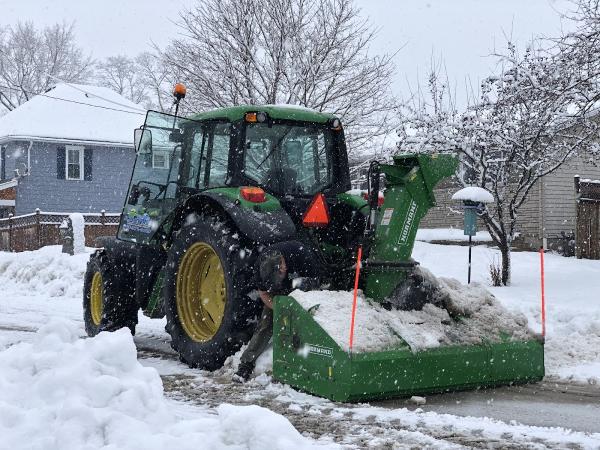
{"points": [[254, 117], [261, 117], [336, 124]]}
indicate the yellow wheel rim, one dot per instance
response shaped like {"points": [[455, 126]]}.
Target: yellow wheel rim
{"points": [[200, 292], [96, 300]]}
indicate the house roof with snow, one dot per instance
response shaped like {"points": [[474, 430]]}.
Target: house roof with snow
{"points": [[74, 113]]}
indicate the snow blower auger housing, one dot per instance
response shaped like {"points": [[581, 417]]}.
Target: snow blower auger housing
{"points": [[308, 358], [208, 194]]}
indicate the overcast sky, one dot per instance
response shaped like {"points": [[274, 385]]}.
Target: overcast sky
{"points": [[461, 32]]}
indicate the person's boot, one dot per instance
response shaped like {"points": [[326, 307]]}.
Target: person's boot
{"points": [[243, 373]]}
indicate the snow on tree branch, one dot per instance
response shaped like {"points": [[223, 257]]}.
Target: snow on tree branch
{"points": [[32, 60], [312, 53], [540, 111]]}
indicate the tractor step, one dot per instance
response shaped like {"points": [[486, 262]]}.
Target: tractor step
{"points": [[307, 358]]}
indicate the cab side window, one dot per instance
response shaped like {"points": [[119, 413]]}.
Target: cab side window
{"points": [[197, 159], [217, 155]]}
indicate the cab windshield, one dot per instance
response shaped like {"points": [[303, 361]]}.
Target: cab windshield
{"points": [[157, 176], [288, 158]]}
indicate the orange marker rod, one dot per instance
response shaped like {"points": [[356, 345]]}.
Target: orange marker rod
{"points": [[356, 277], [543, 293]]}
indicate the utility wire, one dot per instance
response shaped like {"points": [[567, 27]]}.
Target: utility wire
{"points": [[77, 88], [140, 113]]}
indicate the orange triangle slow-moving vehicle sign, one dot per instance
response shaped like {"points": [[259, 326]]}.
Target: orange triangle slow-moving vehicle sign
{"points": [[317, 214]]}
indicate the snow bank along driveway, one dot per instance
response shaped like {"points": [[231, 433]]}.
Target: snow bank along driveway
{"points": [[63, 392], [59, 391]]}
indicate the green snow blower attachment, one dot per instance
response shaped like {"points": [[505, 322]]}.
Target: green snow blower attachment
{"points": [[309, 358]]}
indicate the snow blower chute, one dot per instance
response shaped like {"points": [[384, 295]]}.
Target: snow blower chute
{"points": [[420, 335]]}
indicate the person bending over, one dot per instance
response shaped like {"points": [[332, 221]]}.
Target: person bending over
{"points": [[282, 268]]}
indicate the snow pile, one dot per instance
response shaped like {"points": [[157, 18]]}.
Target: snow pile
{"points": [[371, 330], [46, 271], [572, 349], [61, 392], [487, 318], [482, 317], [78, 223], [263, 367], [474, 194]]}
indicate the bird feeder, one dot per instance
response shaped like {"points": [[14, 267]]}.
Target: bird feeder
{"points": [[474, 199]]}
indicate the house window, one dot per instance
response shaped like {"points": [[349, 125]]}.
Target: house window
{"points": [[160, 160], [74, 163]]}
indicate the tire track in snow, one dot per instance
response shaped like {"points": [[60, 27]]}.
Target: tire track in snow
{"points": [[318, 418]]}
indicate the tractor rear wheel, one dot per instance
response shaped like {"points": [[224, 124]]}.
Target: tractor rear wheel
{"points": [[209, 314], [108, 302]]}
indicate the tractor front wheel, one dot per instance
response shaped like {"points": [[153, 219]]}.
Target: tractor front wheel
{"points": [[108, 302], [209, 314]]}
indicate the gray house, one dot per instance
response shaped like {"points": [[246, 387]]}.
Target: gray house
{"points": [[548, 213], [67, 150]]}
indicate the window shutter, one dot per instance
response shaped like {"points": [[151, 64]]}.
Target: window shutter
{"points": [[2, 163], [61, 162], [87, 164]]}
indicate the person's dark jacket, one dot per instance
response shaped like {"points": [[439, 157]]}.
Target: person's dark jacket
{"points": [[300, 262]]}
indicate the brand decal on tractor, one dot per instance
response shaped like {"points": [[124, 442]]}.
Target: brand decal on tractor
{"points": [[387, 216], [140, 224], [410, 217], [321, 351]]}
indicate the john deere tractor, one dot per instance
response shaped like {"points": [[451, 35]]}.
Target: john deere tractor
{"points": [[209, 193]]}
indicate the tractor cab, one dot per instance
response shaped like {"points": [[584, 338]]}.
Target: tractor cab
{"points": [[288, 154]]}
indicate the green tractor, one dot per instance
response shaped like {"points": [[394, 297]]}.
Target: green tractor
{"points": [[206, 195], [209, 193]]}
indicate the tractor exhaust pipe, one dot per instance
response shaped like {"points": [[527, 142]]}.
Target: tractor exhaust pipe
{"points": [[374, 177]]}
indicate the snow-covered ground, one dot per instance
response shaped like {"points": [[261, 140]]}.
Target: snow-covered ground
{"points": [[450, 234], [59, 391], [63, 392]]}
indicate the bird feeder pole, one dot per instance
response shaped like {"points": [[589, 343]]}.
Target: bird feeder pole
{"points": [[474, 199], [470, 228]]}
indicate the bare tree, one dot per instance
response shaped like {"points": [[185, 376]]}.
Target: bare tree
{"points": [[122, 75], [525, 124], [313, 53], [158, 79], [31, 61]]}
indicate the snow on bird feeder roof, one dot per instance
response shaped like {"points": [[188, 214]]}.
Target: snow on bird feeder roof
{"points": [[474, 194]]}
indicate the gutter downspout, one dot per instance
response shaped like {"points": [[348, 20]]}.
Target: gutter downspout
{"points": [[29, 157]]}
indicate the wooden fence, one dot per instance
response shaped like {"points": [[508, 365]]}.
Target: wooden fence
{"points": [[35, 230], [587, 241]]}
